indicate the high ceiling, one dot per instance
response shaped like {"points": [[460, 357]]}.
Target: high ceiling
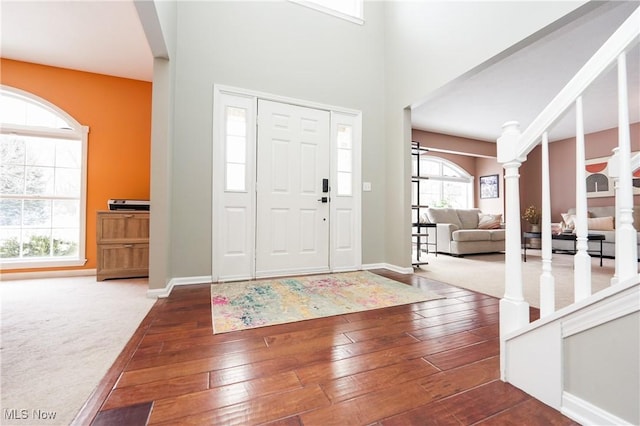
{"points": [[519, 86], [106, 37], [103, 37]]}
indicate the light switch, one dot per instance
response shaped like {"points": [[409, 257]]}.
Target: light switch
{"points": [[366, 186]]}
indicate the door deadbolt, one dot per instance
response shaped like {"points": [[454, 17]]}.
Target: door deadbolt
{"points": [[325, 185]]}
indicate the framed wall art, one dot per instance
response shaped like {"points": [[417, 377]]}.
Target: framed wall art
{"points": [[599, 183], [489, 186]]}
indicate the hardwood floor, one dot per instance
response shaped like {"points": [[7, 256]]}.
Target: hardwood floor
{"points": [[435, 362]]}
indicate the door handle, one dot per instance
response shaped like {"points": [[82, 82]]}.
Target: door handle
{"points": [[324, 199]]}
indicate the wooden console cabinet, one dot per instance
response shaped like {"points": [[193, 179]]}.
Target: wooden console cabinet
{"points": [[123, 244]]}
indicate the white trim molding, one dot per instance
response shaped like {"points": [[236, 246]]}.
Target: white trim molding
{"points": [[388, 266], [586, 413], [179, 281], [34, 275], [619, 305], [235, 266]]}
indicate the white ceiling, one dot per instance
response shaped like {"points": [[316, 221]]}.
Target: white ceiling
{"points": [[106, 37], [103, 37], [519, 86]]}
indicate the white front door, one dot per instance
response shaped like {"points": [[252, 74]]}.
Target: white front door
{"points": [[292, 221]]}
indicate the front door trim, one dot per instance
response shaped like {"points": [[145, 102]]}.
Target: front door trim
{"points": [[345, 212]]}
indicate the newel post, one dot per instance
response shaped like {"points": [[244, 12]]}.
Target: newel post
{"points": [[514, 311], [626, 236]]}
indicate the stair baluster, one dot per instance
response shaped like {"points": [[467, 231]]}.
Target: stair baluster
{"points": [[626, 235], [581, 260], [547, 281]]}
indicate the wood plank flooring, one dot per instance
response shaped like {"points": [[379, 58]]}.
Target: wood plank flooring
{"points": [[435, 362]]}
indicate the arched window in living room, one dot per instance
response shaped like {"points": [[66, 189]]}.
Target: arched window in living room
{"points": [[42, 183], [448, 185]]}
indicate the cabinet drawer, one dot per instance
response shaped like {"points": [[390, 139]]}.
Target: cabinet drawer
{"points": [[115, 227], [122, 261]]}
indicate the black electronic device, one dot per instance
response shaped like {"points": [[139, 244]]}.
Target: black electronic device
{"points": [[122, 204]]}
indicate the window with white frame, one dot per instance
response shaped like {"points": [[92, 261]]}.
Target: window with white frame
{"points": [[42, 183], [345, 164], [235, 149], [448, 185], [351, 10]]}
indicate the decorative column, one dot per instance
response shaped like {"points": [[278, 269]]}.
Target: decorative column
{"points": [[512, 305], [514, 311]]}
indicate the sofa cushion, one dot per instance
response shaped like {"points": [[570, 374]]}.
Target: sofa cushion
{"points": [[600, 223], [471, 235], [601, 211], [468, 218], [497, 235], [443, 215], [609, 236], [611, 211]]}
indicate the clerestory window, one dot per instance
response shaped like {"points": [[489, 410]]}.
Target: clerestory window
{"points": [[351, 10], [42, 183]]}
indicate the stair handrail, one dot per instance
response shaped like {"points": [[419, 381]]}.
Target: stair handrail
{"points": [[604, 58]]}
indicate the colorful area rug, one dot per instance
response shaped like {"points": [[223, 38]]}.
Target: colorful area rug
{"points": [[251, 304]]}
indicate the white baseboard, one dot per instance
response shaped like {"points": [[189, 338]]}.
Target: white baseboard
{"points": [[35, 275], [166, 291], [586, 413], [388, 266], [291, 273], [346, 269], [207, 279]]}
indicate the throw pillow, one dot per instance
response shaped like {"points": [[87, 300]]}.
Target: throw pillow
{"points": [[489, 221], [600, 223], [568, 222]]}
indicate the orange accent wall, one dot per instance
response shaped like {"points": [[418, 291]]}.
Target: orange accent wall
{"points": [[118, 114]]}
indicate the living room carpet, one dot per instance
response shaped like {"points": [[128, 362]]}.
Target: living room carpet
{"points": [[485, 273], [251, 304], [59, 338]]}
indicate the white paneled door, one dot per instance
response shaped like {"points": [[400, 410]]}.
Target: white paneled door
{"points": [[271, 158], [292, 204]]}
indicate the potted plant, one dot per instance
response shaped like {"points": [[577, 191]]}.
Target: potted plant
{"points": [[532, 215]]}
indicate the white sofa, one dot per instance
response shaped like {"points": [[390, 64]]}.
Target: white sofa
{"points": [[609, 243], [458, 231]]}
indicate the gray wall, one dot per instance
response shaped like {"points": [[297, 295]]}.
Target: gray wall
{"points": [[280, 48], [602, 366], [159, 18], [429, 44], [403, 52]]}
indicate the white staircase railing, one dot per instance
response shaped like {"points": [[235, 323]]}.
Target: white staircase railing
{"points": [[513, 148]]}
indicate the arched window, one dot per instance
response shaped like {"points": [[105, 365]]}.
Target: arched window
{"points": [[43, 153], [448, 184]]}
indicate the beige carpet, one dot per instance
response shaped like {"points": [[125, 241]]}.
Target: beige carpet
{"points": [[59, 338], [485, 274]]}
